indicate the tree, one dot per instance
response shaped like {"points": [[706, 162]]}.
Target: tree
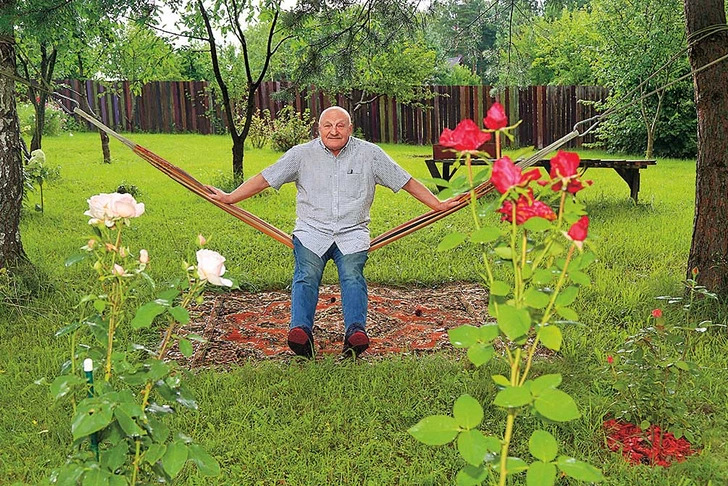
{"points": [[641, 39], [705, 22], [11, 178]]}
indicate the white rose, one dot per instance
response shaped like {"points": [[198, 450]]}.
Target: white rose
{"points": [[109, 208], [98, 209], [211, 267], [125, 206], [143, 256]]}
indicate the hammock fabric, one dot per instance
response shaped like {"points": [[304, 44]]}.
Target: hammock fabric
{"points": [[390, 236]]}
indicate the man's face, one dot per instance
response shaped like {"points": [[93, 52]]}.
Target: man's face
{"points": [[335, 129]]}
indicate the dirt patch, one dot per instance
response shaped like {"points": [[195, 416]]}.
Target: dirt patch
{"points": [[242, 326]]}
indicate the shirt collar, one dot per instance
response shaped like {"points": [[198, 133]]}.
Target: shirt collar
{"points": [[323, 146]]}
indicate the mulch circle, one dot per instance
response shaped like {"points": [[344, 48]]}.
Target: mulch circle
{"points": [[651, 446], [242, 326]]}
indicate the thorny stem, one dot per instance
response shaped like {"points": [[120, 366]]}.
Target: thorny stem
{"points": [[512, 412], [116, 298]]}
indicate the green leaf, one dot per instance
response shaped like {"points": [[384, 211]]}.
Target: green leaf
{"points": [[513, 396], [95, 477], [551, 337], [543, 446], [92, 415], [463, 336], [64, 384], [180, 314], [468, 412], [513, 322], [435, 430], [174, 458], [158, 429], [68, 329], [515, 465], [471, 476], [542, 276], [580, 278], [536, 299], [567, 296], [451, 241], [99, 305], [541, 474], [545, 382], [185, 347], [486, 234], [568, 313], [579, 470], [504, 252], [557, 406], [480, 353], [154, 453], [128, 424], [99, 328], [501, 380], [473, 447], [206, 464], [537, 224], [115, 457], [74, 259], [488, 332], [146, 314], [499, 288]]}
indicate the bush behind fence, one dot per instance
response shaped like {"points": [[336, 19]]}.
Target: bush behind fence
{"points": [[547, 112]]}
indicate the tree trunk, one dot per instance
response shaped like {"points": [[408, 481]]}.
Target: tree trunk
{"points": [[39, 101], [709, 248], [11, 165]]}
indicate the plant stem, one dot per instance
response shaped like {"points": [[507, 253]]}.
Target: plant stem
{"points": [[509, 421]]}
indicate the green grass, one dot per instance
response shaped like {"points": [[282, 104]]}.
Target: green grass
{"points": [[344, 423]]}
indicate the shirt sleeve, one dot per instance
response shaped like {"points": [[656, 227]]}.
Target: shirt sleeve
{"points": [[284, 170], [388, 173]]}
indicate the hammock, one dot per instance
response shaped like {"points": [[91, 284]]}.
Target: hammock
{"points": [[385, 238]]}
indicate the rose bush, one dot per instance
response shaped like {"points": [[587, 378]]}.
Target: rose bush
{"points": [[543, 252], [123, 413]]}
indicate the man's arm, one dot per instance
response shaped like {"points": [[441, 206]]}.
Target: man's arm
{"points": [[425, 196], [247, 189]]}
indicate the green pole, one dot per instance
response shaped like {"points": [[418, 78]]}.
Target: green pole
{"points": [[88, 369]]}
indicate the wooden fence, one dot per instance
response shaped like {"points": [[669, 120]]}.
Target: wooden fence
{"points": [[547, 112]]}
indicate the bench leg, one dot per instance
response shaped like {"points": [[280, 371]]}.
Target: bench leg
{"points": [[632, 178]]}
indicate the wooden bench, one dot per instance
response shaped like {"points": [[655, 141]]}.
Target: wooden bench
{"points": [[629, 170]]}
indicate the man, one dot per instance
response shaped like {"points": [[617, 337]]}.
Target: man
{"points": [[335, 175]]}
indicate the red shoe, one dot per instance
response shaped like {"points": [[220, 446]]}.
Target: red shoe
{"points": [[357, 343], [300, 342]]}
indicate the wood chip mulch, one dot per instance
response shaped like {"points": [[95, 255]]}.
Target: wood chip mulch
{"points": [[241, 326]]}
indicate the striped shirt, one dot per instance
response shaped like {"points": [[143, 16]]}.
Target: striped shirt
{"points": [[335, 193]]}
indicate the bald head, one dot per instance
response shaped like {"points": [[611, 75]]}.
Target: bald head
{"points": [[335, 128]]}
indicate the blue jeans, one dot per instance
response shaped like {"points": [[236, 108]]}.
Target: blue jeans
{"points": [[307, 273]]}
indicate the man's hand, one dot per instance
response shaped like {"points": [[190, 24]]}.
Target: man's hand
{"points": [[217, 194], [448, 204]]}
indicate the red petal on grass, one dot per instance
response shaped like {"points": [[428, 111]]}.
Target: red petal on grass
{"points": [[652, 446]]}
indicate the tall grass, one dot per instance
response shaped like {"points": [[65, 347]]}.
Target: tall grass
{"points": [[329, 422]]}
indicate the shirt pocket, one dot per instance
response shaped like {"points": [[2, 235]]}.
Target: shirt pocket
{"points": [[354, 186]]}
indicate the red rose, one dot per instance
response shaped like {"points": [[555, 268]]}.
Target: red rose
{"points": [[564, 168], [657, 313], [496, 117], [578, 230], [507, 175], [610, 360], [466, 137], [526, 208]]}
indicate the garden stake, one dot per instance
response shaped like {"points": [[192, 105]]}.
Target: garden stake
{"points": [[88, 369]]}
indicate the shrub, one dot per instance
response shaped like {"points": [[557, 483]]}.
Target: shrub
{"points": [[260, 129], [55, 120], [290, 129]]}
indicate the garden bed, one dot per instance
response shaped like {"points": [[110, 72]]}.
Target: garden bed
{"points": [[240, 326]]}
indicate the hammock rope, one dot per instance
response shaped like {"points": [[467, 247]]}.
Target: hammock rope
{"points": [[404, 229]]}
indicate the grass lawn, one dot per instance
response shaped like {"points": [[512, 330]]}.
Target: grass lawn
{"points": [[328, 422]]}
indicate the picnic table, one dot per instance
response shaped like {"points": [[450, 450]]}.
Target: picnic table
{"points": [[628, 169]]}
